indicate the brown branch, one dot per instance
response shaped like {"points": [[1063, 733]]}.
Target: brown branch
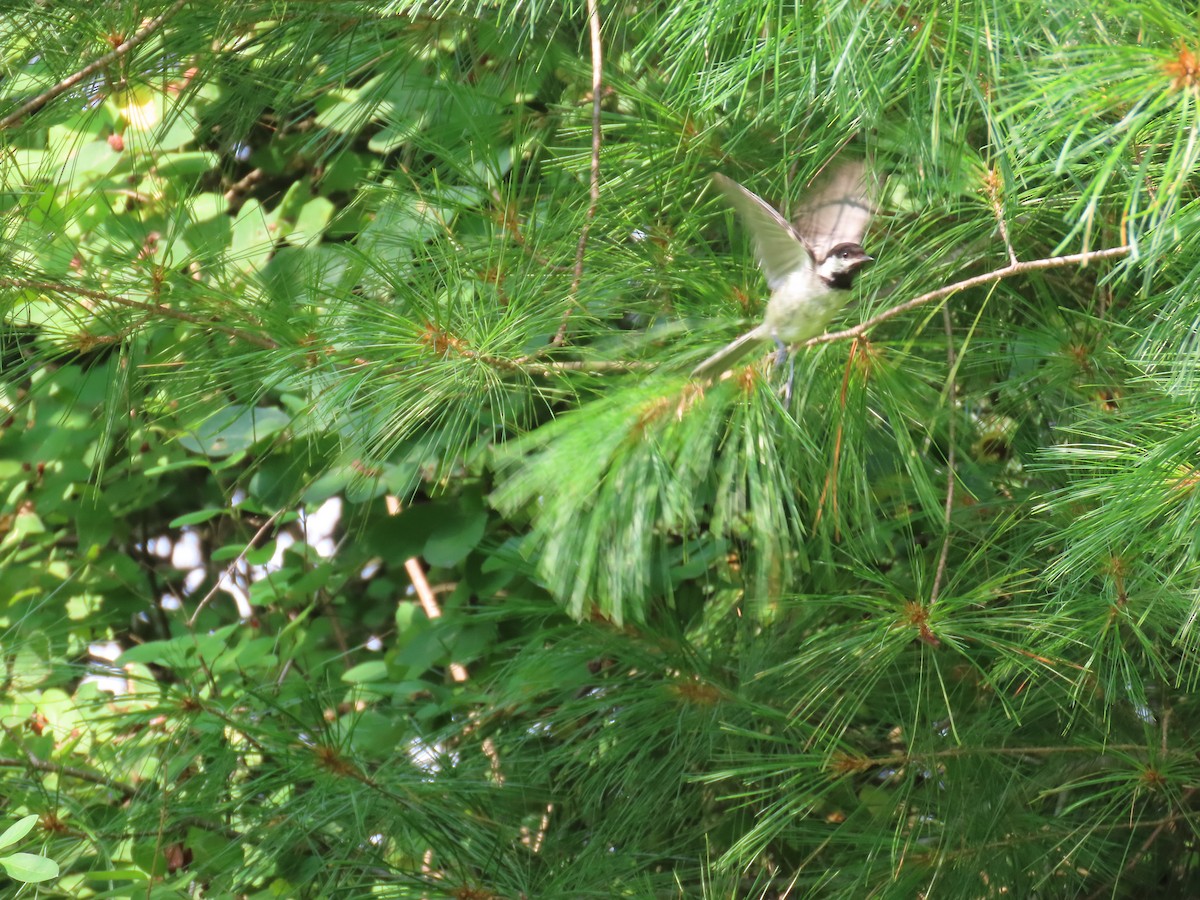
{"points": [[243, 185], [158, 309], [597, 86], [433, 610], [950, 477], [429, 604], [1033, 265], [521, 364], [36, 103]]}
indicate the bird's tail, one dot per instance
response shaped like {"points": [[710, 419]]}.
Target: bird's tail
{"points": [[727, 357]]}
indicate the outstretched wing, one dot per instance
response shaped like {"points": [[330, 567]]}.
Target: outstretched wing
{"points": [[838, 212], [777, 244]]}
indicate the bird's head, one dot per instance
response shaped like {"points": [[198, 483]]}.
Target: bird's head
{"points": [[842, 263]]}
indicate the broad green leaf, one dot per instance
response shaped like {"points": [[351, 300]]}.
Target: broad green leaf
{"points": [[17, 830], [29, 868], [374, 670]]}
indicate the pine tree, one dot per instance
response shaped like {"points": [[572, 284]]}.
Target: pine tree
{"points": [[922, 628]]}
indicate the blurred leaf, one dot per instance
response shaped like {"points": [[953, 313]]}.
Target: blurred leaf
{"points": [[374, 670], [29, 868], [17, 830], [234, 429]]}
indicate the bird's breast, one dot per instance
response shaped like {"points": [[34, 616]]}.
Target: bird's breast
{"points": [[801, 306]]}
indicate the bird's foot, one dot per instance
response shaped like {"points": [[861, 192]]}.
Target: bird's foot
{"points": [[781, 351], [781, 354]]}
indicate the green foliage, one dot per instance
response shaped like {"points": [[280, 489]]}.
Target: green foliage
{"points": [[927, 627], [27, 867]]}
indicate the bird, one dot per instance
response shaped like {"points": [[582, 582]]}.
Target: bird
{"points": [[809, 266]]}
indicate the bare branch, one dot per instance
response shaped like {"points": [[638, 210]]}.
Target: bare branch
{"points": [[32, 761], [243, 185], [577, 365], [40, 765], [1033, 265], [429, 604]]}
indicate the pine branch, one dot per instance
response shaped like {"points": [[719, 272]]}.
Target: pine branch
{"points": [[36, 103], [41, 765], [1162, 825], [156, 309]]}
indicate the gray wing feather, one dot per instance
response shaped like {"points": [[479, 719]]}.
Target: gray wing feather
{"points": [[778, 245], [839, 211]]}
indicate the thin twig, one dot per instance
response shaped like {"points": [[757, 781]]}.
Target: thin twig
{"points": [[950, 476], [158, 309], [1012, 254], [36, 103], [522, 364], [458, 671], [1050, 262], [597, 86], [578, 365], [903, 758], [41, 765], [233, 565]]}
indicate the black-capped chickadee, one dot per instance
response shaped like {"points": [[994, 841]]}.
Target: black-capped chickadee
{"points": [[809, 267]]}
